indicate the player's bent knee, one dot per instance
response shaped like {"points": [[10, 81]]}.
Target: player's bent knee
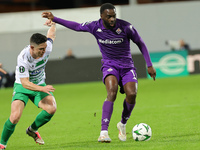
{"points": [[131, 97], [53, 110], [15, 117], [112, 96]]}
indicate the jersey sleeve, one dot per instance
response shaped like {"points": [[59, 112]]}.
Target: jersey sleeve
{"points": [[135, 37], [22, 68], [49, 45], [84, 27]]}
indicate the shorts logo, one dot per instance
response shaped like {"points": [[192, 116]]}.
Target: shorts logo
{"points": [[21, 69], [110, 69]]}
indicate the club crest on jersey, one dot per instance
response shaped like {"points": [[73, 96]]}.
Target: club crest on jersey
{"points": [[21, 69], [118, 31]]}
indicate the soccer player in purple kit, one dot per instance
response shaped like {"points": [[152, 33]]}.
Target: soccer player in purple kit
{"points": [[113, 37]]}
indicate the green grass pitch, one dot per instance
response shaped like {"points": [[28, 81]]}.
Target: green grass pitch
{"points": [[171, 107]]}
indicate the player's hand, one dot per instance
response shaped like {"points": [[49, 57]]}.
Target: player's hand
{"points": [[152, 72], [48, 15], [49, 23], [48, 88]]}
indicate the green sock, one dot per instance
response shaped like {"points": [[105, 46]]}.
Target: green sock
{"points": [[8, 130], [42, 118]]}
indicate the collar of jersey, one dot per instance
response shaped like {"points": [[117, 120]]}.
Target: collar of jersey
{"points": [[103, 28]]}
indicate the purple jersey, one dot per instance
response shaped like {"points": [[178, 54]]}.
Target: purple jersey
{"points": [[114, 43]]}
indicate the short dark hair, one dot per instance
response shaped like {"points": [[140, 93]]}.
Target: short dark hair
{"points": [[38, 38], [106, 6]]}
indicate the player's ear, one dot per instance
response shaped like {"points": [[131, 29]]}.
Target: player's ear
{"points": [[32, 46]]}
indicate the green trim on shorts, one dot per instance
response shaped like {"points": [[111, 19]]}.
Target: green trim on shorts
{"points": [[23, 94]]}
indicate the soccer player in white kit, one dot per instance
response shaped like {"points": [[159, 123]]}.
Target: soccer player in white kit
{"points": [[30, 84]]}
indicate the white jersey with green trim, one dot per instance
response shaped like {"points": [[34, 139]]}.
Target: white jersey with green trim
{"points": [[27, 66]]}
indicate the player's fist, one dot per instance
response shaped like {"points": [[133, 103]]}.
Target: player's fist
{"points": [[48, 15], [49, 23]]}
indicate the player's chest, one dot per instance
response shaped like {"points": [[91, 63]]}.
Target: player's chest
{"points": [[37, 64], [110, 36], [118, 33]]}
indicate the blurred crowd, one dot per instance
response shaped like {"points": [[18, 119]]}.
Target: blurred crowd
{"points": [[6, 79]]}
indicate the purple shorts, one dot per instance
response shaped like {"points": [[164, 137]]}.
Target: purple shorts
{"points": [[123, 74]]}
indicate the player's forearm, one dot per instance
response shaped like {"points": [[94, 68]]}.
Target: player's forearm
{"points": [[31, 86], [3, 71], [145, 54], [52, 32], [69, 24]]}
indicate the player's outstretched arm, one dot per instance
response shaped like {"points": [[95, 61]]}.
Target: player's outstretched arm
{"points": [[66, 23], [33, 87], [52, 30], [152, 72]]}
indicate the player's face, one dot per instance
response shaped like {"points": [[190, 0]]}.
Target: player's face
{"points": [[39, 50], [109, 18]]}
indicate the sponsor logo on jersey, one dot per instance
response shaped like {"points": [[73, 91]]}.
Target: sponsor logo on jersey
{"points": [[35, 72], [111, 41], [21, 69], [118, 31]]}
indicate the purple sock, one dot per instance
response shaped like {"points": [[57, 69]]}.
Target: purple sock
{"points": [[127, 111], [106, 114]]}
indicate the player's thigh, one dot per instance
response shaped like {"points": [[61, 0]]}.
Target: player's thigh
{"points": [[109, 69], [111, 83], [20, 93], [17, 108], [130, 88], [130, 83]]}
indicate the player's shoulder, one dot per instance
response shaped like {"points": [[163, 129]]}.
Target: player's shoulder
{"points": [[24, 56], [123, 22], [89, 23], [91, 26], [24, 53], [127, 26]]}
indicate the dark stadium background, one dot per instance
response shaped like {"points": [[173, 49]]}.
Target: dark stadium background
{"points": [[32, 5]]}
